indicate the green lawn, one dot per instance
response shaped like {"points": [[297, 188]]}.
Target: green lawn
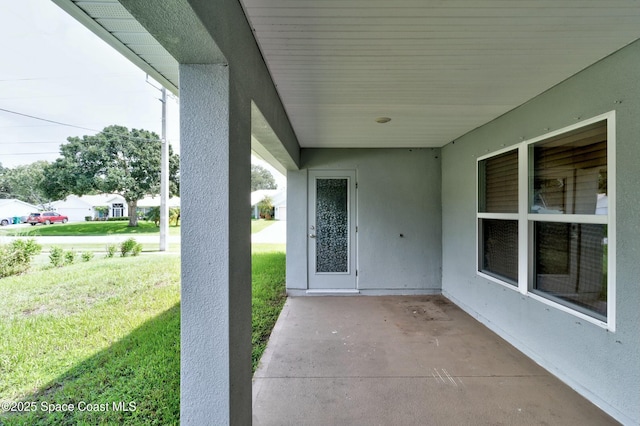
{"points": [[105, 228], [267, 298], [108, 331], [90, 228]]}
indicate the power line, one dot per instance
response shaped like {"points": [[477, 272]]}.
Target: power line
{"points": [[26, 142], [78, 127], [29, 153], [48, 121], [74, 78]]}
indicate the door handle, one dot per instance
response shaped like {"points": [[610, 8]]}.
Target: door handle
{"points": [[312, 235]]}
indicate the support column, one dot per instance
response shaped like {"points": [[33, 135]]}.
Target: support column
{"points": [[215, 343]]}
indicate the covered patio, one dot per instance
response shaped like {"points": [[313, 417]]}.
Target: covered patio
{"points": [[483, 150], [402, 360]]}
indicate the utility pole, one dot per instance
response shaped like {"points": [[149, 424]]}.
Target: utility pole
{"points": [[164, 173], [164, 178]]}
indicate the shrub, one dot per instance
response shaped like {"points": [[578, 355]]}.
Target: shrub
{"points": [[87, 256], [128, 246], [56, 256], [266, 207], [69, 257], [111, 250], [15, 258], [136, 249]]}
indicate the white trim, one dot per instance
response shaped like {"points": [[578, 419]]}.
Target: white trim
{"points": [[332, 291], [497, 280], [599, 219], [526, 221], [611, 227], [503, 216], [524, 251]]}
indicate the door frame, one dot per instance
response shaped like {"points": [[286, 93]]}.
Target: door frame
{"points": [[332, 282]]}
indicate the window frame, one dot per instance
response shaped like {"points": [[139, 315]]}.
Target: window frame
{"points": [[497, 216], [526, 222]]}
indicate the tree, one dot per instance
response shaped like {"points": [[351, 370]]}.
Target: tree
{"points": [[114, 161], [154, 215], [261, 178], [5, 190], [25, 183], [265, 206]]}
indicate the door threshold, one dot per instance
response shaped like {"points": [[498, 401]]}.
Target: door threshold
{"points": [[329, 291]]}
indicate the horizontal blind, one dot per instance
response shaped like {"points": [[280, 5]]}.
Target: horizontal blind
{"points": [[499, 191], [570, 171]]}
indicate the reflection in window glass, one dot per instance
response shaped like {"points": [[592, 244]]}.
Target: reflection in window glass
{"points": [[570, 172], [571, 265]]}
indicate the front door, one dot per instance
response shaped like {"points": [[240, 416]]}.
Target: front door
{"points": [[332, 230]]}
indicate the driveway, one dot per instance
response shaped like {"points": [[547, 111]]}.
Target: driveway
{"points": [[272, 234]]}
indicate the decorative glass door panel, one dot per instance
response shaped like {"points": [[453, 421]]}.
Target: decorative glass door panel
{"points": [[332, 225], [332, 230]]}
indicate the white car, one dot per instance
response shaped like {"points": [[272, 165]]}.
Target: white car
{"points": [[5, 221]]}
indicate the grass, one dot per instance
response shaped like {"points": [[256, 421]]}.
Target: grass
{"points": [[79, 229], [89, 229], [92, 332], [267, 298], [108, 331]]}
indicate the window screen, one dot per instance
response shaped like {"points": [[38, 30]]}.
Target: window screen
{"points": [[499, 248], [571, 264]]}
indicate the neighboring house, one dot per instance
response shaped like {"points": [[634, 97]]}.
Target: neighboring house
{"points": [[279, 201], [104, 206], [479, 99], [79, 208], [257, 196], [12, 207], [148, 202]]}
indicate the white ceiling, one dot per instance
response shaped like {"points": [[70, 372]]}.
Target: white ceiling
{"points": [[437, 68]]}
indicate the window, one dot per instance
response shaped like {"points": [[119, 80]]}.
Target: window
{"points": [[544, 215], [118, 210], [497, 223]]}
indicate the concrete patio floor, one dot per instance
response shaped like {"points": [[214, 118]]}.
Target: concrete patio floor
{"points": [[402, 360]]}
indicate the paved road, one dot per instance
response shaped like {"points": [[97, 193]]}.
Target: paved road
{"points": [[273, 234]]}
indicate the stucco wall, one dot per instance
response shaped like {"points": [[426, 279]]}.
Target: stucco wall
{"points": [[602, 365], [398, 193]]}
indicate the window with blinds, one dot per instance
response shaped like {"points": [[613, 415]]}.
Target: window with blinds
{"points": [[570, 178], [498, 200], [498, 177], [570, 171], [565, 256]]}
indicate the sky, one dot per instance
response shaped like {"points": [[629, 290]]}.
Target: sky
{"points": [[55, 69]]}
